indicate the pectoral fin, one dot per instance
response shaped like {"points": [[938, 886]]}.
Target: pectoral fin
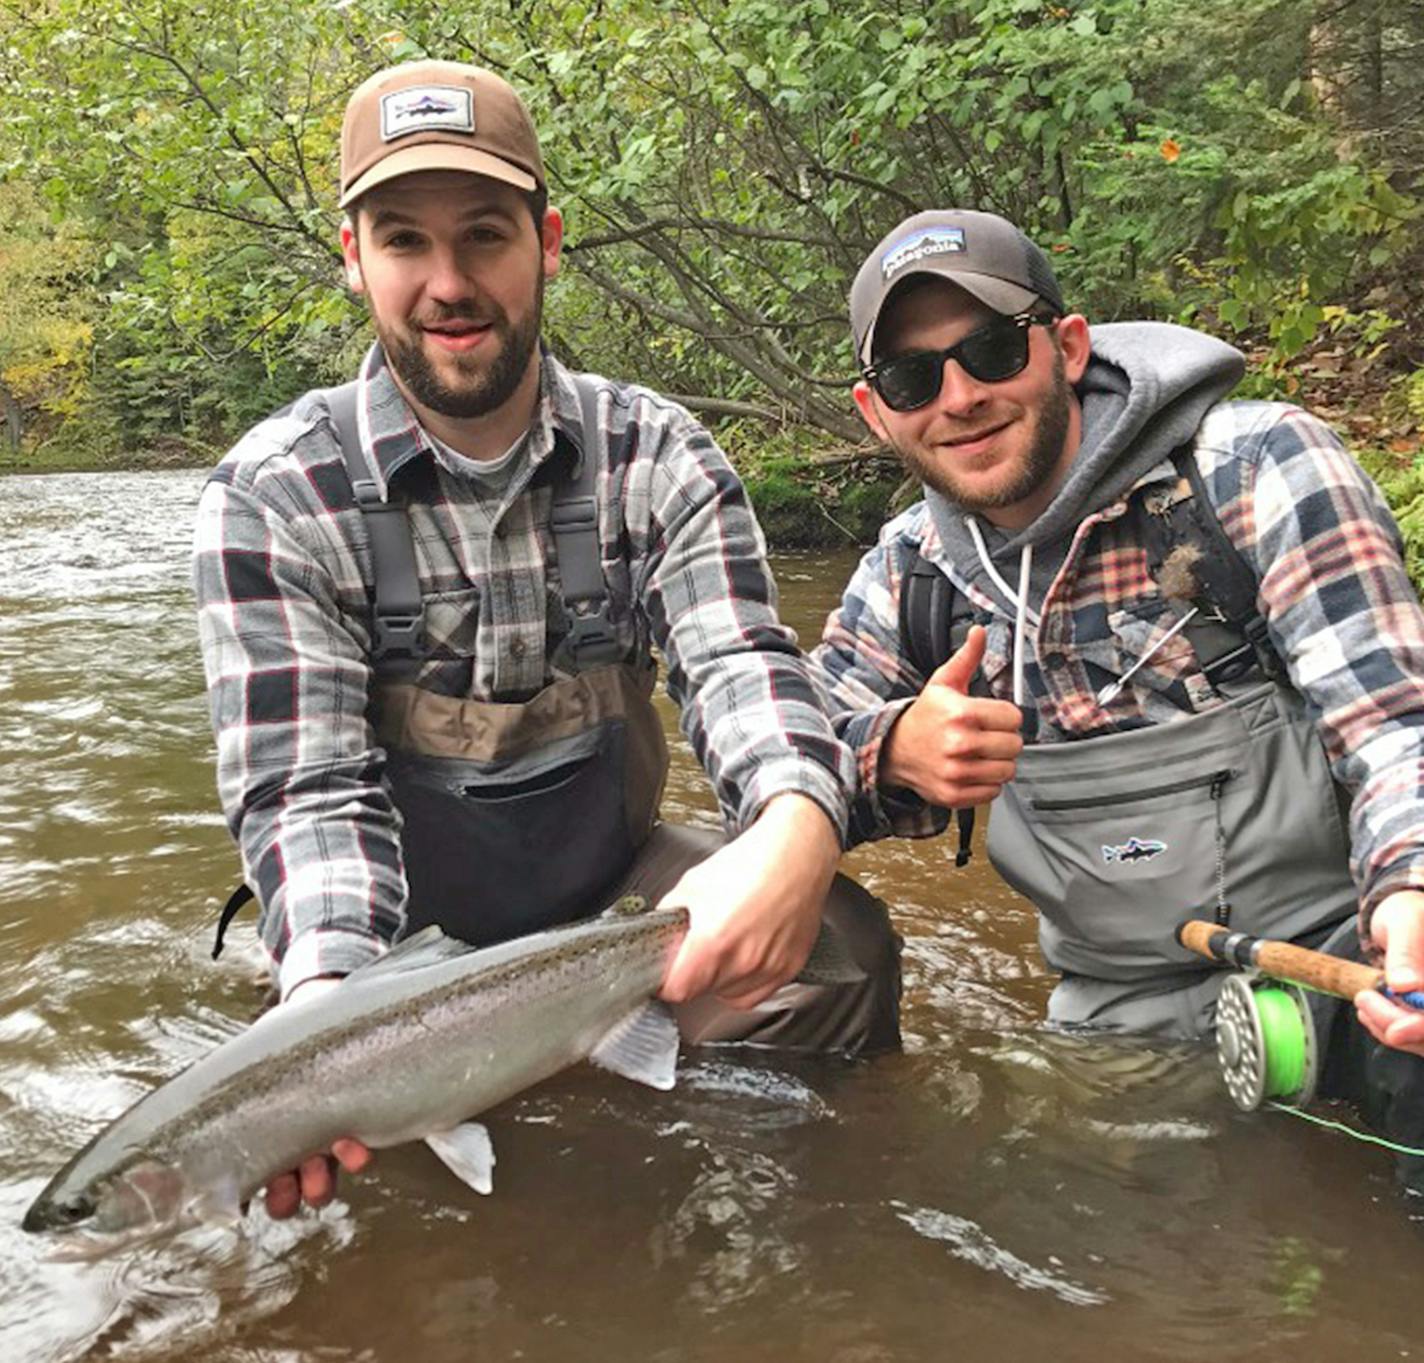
{"points": [[468, 1153], [642, 1047], [217, 1205]]}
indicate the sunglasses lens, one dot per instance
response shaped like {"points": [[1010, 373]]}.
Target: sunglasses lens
{"points": [[910, 381], [992, 354], [995, 352]]}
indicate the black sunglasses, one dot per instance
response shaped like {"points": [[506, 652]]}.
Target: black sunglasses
{"points": [[991, 353]]}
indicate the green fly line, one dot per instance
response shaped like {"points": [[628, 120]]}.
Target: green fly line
{"points": [[1285, 1055], [1349, 1130], [1284, 1042]]}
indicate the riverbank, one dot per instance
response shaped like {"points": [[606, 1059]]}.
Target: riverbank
{"points": [[812, 494]]}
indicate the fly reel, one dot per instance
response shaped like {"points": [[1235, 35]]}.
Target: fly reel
{"points": [[1265, 1042]]}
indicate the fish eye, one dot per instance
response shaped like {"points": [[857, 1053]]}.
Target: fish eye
{"points": [[77, 1208]]}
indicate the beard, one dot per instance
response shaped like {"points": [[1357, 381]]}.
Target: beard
{"points": [[1040, 462], [480, 391]]}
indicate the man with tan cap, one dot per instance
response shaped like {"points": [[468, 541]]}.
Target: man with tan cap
{"points": [[1169, 635], [427, 605]]}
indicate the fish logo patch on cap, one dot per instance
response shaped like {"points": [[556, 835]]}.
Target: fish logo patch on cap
{"points": [[423, 107], [933, 241]]}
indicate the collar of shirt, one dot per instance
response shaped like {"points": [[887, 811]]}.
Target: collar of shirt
{"points": [[392, 436]]}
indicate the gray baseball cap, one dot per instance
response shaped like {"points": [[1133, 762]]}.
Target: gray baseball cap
{"points": [[982, 253]]}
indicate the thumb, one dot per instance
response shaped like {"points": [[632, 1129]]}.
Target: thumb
{"points": [[1403, 933], [959, 670]]}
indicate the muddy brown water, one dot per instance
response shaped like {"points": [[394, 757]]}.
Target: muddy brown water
{"points": [[992, 1193]]}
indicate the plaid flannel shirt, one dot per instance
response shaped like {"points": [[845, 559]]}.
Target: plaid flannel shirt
{"points": [[1339, 605], [282, 572]]}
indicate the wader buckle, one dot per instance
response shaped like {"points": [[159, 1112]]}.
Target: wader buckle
{"points": [[592, 637], [398, 636]]}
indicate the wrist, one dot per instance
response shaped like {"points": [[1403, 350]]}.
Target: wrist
{"points": [[798, 818], [888, 770]]}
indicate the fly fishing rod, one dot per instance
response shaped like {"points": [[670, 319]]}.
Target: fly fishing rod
{"points": [[1265, 1035]]}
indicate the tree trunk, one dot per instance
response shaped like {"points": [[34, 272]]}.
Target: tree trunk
{"points": [[11, 422]]}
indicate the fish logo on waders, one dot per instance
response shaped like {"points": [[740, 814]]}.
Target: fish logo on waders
{"points": [[1134, 849]]}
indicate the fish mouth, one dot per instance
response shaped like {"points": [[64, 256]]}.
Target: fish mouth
{"points": [[49, 1214]]}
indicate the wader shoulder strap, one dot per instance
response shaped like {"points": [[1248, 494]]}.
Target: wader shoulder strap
{"points": [[927, 601], [573, 520], [1232, 639], [398, 615], [398, 619]]}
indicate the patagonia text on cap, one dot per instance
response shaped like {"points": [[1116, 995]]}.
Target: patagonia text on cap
{"points": [[984, 254]]}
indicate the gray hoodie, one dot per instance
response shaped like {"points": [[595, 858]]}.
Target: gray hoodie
{"points": [[1145, 391]]}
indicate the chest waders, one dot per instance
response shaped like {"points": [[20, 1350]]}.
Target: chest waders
{"points": [[515, 816], [1230, 814]]}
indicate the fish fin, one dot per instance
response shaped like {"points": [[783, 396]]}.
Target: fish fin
{"points": [[468, 1153], [830, 961], [627, 906], [642, 1047], [411, 953], [219, 1205]]}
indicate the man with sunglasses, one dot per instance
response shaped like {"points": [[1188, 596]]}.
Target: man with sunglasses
{"points": [[1175, 644]]}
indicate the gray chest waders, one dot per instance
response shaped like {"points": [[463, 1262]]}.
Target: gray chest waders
{"points": [[1231, 813]]}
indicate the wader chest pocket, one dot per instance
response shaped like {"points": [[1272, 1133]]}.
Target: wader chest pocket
{"points": [[1119, 865], [541, 783], [494, 852], [1214, 782], [1117, 839]]}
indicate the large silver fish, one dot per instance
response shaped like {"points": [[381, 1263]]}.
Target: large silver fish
{"points": [[407, 1048]]}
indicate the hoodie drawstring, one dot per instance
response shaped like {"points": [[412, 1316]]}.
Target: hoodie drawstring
{"points": [[1023, 615]]}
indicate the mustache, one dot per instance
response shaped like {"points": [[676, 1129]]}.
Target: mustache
{"points": [[463, 311]]}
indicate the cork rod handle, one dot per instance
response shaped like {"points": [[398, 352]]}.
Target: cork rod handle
{"points": [[1281, 959]]}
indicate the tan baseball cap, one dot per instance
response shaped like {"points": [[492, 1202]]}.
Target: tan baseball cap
{"points": [[432, 115]]}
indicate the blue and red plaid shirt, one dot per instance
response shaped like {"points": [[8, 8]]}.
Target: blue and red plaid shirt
{"points": [[1340, 608], [282, 571]]}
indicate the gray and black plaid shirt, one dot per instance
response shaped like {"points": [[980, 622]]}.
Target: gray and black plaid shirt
{"points": [[282, 571]]}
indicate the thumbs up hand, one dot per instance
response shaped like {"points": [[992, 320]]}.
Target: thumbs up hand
{"points": [[949, 747]]}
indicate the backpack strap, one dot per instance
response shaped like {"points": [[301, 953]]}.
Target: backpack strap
{"points": [[926, 606], [1230, 636], [927, 601]]}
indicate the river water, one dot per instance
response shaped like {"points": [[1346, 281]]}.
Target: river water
{"points": [[992, 1193]]}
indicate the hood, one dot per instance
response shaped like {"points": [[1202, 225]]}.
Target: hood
{"points": [[1145, 391]]}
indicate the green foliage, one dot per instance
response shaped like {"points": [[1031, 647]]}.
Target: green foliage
{"points": [[724, 166], [1402, 482]]}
